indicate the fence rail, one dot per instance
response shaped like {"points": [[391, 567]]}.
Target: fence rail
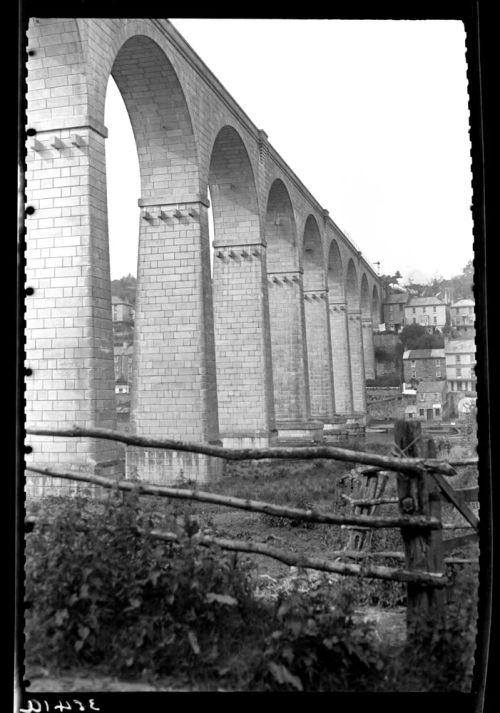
{"points": [[407, 465], [420, 482], [244, 504]]}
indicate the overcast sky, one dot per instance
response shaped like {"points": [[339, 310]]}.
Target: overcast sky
{"points": [[372, 116]]}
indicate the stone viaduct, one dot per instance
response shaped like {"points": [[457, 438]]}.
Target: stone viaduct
{"points": [[275, 345]]}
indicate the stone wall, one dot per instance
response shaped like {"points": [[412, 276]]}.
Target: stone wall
{"points": [[203, 356]]}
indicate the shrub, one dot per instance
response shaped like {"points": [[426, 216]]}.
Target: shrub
{"points": [[385, 380], [316, 646], [106, 594], [441, 658], [102, 592]]}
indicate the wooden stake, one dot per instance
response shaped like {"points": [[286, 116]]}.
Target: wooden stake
{"points": [[419, 496]]}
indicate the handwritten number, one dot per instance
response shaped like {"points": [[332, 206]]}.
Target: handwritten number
{"points": [[91, 704], [62, 706], [31, 709], [82, 707]]}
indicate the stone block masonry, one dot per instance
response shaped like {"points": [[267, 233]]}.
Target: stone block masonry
{"points": [[289, 354], [357, 360], [69, 340], [244, 379], [319, 355], [216, 359], [368, 348], [173, 373], [341, 358]]}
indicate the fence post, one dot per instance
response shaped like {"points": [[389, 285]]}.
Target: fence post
{"points": [[418, 495]]}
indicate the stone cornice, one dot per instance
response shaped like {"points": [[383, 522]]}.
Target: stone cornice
{"points": [[69, 123]]}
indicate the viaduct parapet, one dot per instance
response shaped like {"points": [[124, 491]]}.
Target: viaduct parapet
{"points": [[276, 343]]}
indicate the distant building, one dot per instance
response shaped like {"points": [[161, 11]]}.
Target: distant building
{"points": [[122, 387], [122, 311], [123, 315], [394, 311], [429, 312], [431, 401], [460, 356], [462, 314], [123, 362], [423, 365]]}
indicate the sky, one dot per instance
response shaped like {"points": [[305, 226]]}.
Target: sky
{"points": [[371, 115]]}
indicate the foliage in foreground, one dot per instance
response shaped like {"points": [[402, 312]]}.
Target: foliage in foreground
{"points": [[106, 595]]}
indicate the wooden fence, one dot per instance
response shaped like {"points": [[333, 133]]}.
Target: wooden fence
{"points": [[421, 485]]}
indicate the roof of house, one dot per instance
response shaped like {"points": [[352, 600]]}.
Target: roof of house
{"points": [[464, 303], [396, 298], [460, 346], [421, 301], [423, 354], [431, 386]]}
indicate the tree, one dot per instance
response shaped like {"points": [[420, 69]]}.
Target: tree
{"points": [[125, 288], [414, 336], [389, 280]]}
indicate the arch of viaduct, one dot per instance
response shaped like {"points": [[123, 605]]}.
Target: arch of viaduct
{"points": [[277, 342]]}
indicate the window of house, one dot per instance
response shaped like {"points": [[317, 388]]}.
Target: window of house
{"points": [[414, 374], [414, 310], [435, 320], [437, 412], [457, 358], [423, 309], [421, 411], [438, 372], [414, 320], [459, 371], [413, 363], [421, 397], [434, 309]]}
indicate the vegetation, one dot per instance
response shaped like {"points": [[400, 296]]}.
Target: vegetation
{"points": [[461, 285], [414, 336], [385, 380], [125, 289], [105, 595]]}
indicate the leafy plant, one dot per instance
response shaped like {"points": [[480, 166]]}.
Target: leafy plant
{"points": [[316, 646], [104, 592]]}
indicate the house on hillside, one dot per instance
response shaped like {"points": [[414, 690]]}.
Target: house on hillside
{"points": [[460, 357], [121, 311], [462, 314], [123, 354], [429, 312], [431, 402], [423, 365], [394, 311], [123, 315]]}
